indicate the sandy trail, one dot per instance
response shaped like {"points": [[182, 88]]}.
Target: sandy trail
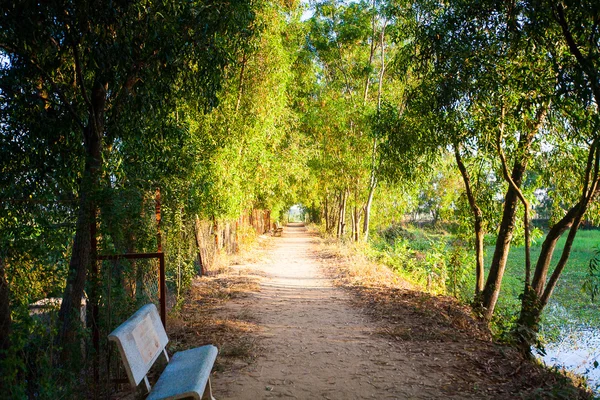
{"points": [[314, 343]]}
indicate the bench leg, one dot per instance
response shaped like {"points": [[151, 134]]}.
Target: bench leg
{"points": [[147, 384], [207, 395]]}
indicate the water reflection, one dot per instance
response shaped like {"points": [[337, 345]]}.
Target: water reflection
{"points": [[578, 350]]}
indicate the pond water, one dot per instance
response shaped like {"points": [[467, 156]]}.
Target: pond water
{"points": [[577, 350]]}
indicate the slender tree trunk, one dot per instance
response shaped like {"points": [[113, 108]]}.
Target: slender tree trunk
{"points": [[353, 216], [326, 211], [334, 211], [5, 318], [492, 286], [382, 70], [343, 211], [356, 223], [367, 219], [535, 300], [477, 225], [93, 134], [342, 220], [371, 54], [201, 263], [373, 180], [491, 290], [241, 83], [340, 216], [548, 247]]}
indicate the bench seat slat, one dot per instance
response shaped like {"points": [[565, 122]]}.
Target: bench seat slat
{"points": [[186, 374]]}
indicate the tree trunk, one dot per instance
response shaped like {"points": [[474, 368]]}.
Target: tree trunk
{"points": [[342, 219], [326, 212], [353, 216], [382, 70], [477, 225], [548, 247], [241, 83], [373, 182], [491, 290], [367, 220], [492, 286], [69, 314], [536, 299], [203, 271], [216, 231], [532, 305], [371, 54], [356, 225], [338, 222], [5, 318]]}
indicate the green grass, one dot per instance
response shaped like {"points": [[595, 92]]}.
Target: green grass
{"points": [[568, 304], [410, 251]]}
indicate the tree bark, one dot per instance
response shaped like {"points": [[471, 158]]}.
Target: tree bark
{"points": [[477, 225], [537, 298], [81, 258], [340, 215], [371, 54], [367, 219], [356, 223], [373, 181], [492, 286], [491, 290], [342, 219], [548, 247], [201, 263], [382, 71], [353, 215], [326, 211], [241, 83]]}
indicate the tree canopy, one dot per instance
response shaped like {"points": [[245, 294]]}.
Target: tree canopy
{"points": [[482, 115]]}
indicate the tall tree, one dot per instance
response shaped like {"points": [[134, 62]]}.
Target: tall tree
{"points": [[568, 32], [88, 61]]}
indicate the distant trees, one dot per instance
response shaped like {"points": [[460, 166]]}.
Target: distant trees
{"points": [[350, 46]]}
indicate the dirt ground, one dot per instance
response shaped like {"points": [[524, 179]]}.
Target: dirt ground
{"points": [[292, 323]]}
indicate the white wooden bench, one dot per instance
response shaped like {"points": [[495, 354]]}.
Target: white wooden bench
{"points": [[142, 339]]}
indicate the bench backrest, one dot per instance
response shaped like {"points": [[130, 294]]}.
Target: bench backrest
{"points": [[140, 340]]}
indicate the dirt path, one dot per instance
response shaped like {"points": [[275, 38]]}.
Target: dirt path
{"points": [[285, 331], [314, 343]]}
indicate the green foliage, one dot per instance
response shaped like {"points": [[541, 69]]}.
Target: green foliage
{"points": [[565, 307], [591, 284], [178, 114], [233, 106], [430, 258]]}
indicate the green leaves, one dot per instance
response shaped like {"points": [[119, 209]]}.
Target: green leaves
{"points": [[591, 284]]}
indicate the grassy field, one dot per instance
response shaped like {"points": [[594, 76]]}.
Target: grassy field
{"points": [[569, 304], [411, 252]]}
